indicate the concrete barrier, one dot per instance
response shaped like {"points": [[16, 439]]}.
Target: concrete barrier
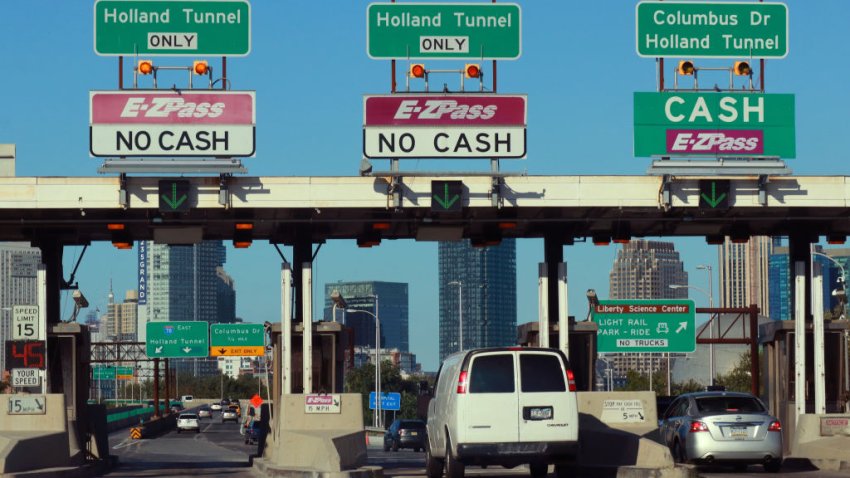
{"points": [[627, 423], [34, 442], [823, 440], [316, 444]]}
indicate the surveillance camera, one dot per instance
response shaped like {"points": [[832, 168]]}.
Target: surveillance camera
{"points": [[80, 299], [365, 167]]}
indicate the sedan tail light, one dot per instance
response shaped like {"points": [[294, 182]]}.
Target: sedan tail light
{"points": [[775, 426], [698, 426]]}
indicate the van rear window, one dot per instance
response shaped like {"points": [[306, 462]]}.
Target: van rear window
{"points": [[492, 374], [541, 373]]}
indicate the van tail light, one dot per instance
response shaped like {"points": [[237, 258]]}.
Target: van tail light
{"points": [[775, 426], [571, 380], [462, 382], [698, 426]]}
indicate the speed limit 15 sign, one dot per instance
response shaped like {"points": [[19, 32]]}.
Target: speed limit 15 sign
{"points": [[25, 322]]}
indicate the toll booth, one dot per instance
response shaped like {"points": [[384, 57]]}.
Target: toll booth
{"points": [[582, 345], [333, 356], [777, 366]]}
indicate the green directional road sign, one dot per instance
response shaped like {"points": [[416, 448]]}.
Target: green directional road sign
{"points": [[714, 124], [244, 340], [177, 339], [180, 27], [446, 196], [638, 326], [443, 30], [173, 195], [103, 373], [711, 29], [714, 194]]}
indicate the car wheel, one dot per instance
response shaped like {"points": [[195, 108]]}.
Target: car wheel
{"points": [[454, 468], [773, 466], [395, 445], [538, 470], [563, 471], [433, 465]]}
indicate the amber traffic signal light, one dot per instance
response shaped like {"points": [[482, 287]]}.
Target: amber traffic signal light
{"points": [[686, 67], [144, 67], [417, 70], [200, 67], [742, 68], [472, 70]]}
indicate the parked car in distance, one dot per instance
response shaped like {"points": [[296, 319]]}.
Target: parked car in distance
{"points": [[254, 431], [503, 406], [728, 428], [215, 406], [176, 407], [188, 422], [404, 433], [229, 414], [205, 412]]}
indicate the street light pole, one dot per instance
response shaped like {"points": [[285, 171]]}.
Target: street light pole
{"points": [[376, 422], [459, 285]]}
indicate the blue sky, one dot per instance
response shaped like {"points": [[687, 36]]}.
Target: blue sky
{"points": [[309, 67]]}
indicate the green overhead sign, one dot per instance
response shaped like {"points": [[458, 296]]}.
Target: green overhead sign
{"points": [[714, 30], [443, 30], [177, 339], [641, 326], [714, 124], [180, 27]]}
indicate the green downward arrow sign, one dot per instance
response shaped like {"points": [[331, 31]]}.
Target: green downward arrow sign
{"points": [[445, 201], [174, 202], [714, 200]]}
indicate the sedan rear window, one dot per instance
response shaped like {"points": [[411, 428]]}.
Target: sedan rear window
{"points": [[492, 374], [188, 416], [722, 405], [541, 373], [412, 424]]}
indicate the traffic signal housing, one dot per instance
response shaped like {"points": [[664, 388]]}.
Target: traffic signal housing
{"points": [[144, 67], [120, 237], [686, 68], [472, 70], [742, 68], [200, 67], [417, 70]]}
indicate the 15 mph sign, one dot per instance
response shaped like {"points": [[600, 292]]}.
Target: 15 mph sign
{"points": [[444, 126], [154, 123]]}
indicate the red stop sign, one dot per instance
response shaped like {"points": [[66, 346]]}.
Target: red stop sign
{"points": [[256, 400]]}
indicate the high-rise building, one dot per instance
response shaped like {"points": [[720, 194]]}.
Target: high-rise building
{"points": [[18, 285], [122, 318], [744, 272], [182, 283], [392, 310], [645, 270], [226, 297], [477, 289], [780, 280]]}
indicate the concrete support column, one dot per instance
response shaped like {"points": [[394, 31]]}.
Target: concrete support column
{"points": [[307, 323], [553, 257], [51, 257], [800, 262], [286, 327]]}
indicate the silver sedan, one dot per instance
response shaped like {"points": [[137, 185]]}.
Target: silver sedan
{"points": [[728, 428]]}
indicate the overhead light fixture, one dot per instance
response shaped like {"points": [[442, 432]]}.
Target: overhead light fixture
{"points": [[715, 240], [601, 240], [836, 238]]}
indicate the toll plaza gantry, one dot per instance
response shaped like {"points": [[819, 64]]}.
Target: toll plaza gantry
{"points": [[54, 212]]}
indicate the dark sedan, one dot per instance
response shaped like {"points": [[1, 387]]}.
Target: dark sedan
{"points": [[405, 434]]}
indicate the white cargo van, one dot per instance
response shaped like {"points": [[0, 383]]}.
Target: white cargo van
{"points": [[503, 406]]}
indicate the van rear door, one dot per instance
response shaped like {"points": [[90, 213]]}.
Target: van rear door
{"points": [[548, 410], [485, 409]]}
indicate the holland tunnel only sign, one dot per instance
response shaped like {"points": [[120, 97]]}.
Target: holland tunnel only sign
{"points": [[444, 126], [168, 123]]}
